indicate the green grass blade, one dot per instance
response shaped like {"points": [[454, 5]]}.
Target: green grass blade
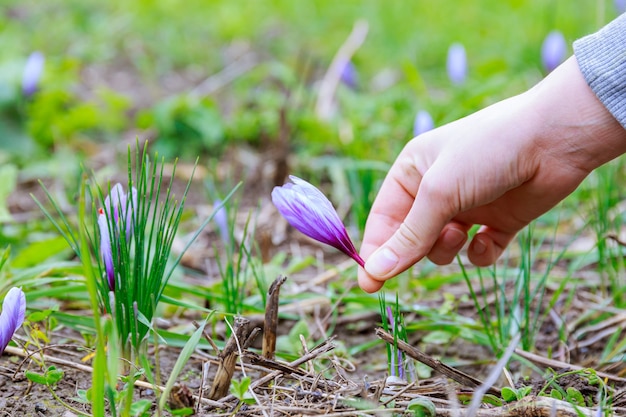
{"points": [[184, 356]]}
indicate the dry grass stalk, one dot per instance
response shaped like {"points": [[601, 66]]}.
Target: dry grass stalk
{"points": [[454, 374]]}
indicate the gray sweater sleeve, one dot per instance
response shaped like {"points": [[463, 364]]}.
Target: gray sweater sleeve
{"points": [[602, 60]]}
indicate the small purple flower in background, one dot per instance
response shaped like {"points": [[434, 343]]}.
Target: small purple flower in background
{"points": [[221, 219], [12, 316], [309, 211], [423, 123], [32, 73], [456, 63], [553, 50], [348, 75], [620, 6], [115, 204]]}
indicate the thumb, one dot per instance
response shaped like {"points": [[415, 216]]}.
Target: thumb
{"points": [[415, 236]]}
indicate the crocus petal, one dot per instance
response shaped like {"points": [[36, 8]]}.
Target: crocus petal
{"points": [[32, 73], [456, 63], [120, 208], [620, 6], [105, 250], [349, 75], [309, 211], [115, 200], [423, 123], [553, 50], [12, 316], [221, 220]]}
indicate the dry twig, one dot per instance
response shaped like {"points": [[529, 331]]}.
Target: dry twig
{"points": [[454, 374]]}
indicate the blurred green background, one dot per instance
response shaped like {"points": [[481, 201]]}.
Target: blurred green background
{"points": [[114, 67]]}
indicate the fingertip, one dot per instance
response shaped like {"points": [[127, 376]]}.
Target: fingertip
{"points": [[367, 283], [448, 245], [483, 251]]}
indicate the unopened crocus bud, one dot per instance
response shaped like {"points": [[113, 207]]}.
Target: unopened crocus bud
{"points": [[423, 123], [309, 211], [456, 63], [348, 75], [116, 215], [12, 316], [221, 220], [553, 50], [32, 73]]}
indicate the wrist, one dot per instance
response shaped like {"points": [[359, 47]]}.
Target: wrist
{"points": [[570, 121]]}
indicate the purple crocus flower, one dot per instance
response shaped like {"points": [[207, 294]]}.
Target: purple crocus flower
{"points": [[423, 123], [116, 215], [32, 73], [553, 50], [309, 211], [620, 6], [348, 75], [456, 63], [221, 219], [12, 316]]}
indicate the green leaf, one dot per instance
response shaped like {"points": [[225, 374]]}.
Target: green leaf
{"points": [[574, 396], [555, 393], [422, 407], [54, 375], [508, 394], [49, 378], [239, 388], [182, 412], [35, 377], [38, 252], [140, 408], [184, 356]]}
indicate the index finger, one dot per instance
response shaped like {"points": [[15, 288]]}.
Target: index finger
{"points": [[410, 211]]}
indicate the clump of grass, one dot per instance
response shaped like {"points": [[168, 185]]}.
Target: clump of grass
{"points": [[130, 236], [393, 323], [518, 293]]}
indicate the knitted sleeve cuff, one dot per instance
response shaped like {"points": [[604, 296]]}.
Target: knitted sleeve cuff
{"points": [[602, 61]]}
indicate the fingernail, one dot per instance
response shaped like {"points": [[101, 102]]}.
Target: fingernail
{"points": [[479, 247], [381, 262]]}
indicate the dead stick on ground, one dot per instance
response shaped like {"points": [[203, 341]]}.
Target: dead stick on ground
{"points": [[271, 317], [454, 374], [322, 348], [228, 359], [84, 368]]}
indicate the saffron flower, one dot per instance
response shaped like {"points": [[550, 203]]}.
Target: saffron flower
{"points": [[620, 6], [32, 73], [456, 63], [553, 50], [423, 123], [115, 217], [309, 211], [12, 316]]}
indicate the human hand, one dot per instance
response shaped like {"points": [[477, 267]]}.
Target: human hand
{"points": [[499, 168]]}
